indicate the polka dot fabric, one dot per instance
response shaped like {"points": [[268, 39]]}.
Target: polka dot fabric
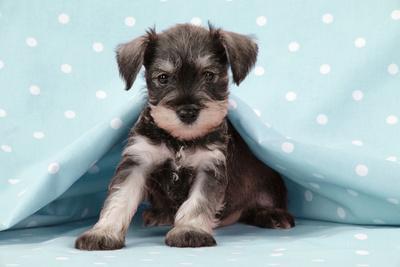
{"points": [[310, 243], [321, 107]]}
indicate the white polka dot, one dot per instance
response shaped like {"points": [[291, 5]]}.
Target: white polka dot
{"points": [[38, 135], [322, 119], [267, 125], [291, 96], [378, 221], [6, 148], [395, 14], [32, 224], [327, 18], [158, 252], [66, 68], [352, 192], [34, 90], [360, 42], [31, 42], [69, 114], [308, 195], [196, 21], [361, 236], [391, 158], [85, 212], [362, 265], [325, 69], [391, 119], [315, 185], [1, 64], [258, 112], [280, 249], [62, 258], [13, 181], [287, 147], [341, 212], [393, 69], [357, 142], [130, 21], [146, 259], [116, 123], [294, 47], [258, 70], [362, 252], [97, 47], [53, 168], [361, 170], [21, 193], [280, 167], [276, 254], [393, 200], [100, 94], [357, 95], [318, 175], [94, 169], [63, 18], [3, 113], [232, 104], [261, 20]]}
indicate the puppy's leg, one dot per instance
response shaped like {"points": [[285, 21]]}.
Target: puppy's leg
{"points": [[268, 218], [155, 217], [125, 194], [195, 219]]}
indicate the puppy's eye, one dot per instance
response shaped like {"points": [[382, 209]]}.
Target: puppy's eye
{"points": [[163, 78], [209, 76]]}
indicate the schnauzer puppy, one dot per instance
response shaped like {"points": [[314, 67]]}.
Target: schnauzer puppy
{"points": [[183, 155]]}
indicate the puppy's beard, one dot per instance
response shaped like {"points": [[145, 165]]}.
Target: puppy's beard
{"points": [[209, 118]]}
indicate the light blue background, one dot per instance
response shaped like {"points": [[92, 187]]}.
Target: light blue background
{"points": [[322, 107]]}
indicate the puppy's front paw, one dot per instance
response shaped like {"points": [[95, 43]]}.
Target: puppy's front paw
{"points": [[189, 237], [98, 240]]}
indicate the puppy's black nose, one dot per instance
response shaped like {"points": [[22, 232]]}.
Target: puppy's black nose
{"points": [[188, 113]]}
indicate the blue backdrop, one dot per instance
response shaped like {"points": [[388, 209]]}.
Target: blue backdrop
{"points": [[322, 105]]}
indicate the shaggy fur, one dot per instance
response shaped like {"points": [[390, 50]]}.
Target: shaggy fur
{"points": [[183, 155]]}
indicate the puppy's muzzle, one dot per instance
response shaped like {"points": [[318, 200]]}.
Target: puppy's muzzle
{"points": [[188, 113]]}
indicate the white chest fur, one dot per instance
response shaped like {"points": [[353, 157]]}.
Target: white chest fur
{"points": [[147, 153]]}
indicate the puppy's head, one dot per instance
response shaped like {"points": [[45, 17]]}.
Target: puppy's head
{"points": [[187, 74]]}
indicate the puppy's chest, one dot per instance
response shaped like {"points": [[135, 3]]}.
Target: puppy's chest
{"points": [[174, 177]]}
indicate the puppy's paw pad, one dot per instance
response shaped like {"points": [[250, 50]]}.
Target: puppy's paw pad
{"points": [[189, 238], [96, 240]]}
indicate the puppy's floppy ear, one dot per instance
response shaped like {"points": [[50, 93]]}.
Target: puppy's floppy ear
{"points": [[131, 55], [241, 51]]}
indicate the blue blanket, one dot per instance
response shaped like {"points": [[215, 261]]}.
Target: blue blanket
{"points": [[322, 105]]}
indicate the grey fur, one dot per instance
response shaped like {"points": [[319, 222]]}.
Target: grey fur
{"points": [[198, 174]]}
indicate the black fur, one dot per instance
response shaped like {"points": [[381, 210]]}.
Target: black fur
{"points": [[188, 66], [89, 241], [248, 178], [189, 238]]}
